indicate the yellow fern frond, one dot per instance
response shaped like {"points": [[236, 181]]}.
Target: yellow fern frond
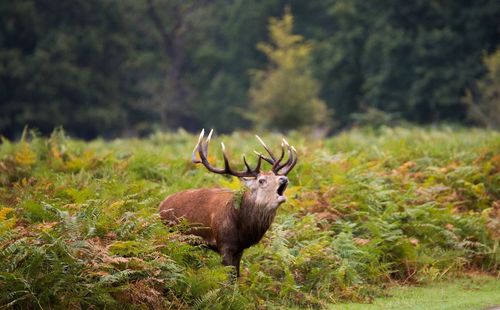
{"points": [[6, 224], [25, 156], [54, 150], [4, 212]]}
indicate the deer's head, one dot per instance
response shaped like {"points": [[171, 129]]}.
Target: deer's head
{"points": [[267, 189]]}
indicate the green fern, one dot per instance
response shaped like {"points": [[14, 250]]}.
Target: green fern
{"points": [[364, 208]]}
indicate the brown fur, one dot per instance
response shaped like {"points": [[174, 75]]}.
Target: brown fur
{"points": [[225, 227]]}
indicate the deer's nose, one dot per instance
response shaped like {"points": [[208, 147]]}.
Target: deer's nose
{"points": [[283, 180]]}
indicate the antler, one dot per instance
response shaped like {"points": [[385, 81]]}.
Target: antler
{"points": [[202, 149], [276, 162]]}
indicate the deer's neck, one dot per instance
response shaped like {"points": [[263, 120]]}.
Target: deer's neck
{"points": [[253, 219]]}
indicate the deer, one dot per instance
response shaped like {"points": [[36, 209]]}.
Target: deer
{"points": [[226, 222]]}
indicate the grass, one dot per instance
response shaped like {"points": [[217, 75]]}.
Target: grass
{"points": [[469, 293], [79, 224]]}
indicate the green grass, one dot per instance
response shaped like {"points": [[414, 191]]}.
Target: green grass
{"points": [[79, 224], [462, 294]]}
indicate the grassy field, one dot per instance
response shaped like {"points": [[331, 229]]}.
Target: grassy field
{"points": [[476, 292], [367, 208]]}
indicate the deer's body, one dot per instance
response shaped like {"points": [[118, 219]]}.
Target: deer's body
{"points": [[203, 208], [226, 225]]}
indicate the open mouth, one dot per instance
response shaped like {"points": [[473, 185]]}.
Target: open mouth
{"points": [[282, 188]]}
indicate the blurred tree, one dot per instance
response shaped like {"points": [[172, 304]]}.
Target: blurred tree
{"points": [[64, 63], [224, 53], [173, 23], [483, 100], [338, 29], [113, 67], [193, 72], [285, 95], [411, 58]]}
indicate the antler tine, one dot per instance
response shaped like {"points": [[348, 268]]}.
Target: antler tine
{"points": [[276, 163], [259, 162], [273, 158], [205, 149], [248, 166], [291, 162], [296, 159], [280, 166], [269, 160], [226, 161], [290, 157], [203, 156], [194, 159], [202, 147]]}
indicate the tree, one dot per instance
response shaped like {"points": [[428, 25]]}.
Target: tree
{"points": [[113, 67], [173, 22], [285, 94], [223, 57], [412, 58], [483, 100], [64, 63]]}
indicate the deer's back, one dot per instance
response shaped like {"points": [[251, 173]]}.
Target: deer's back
{"points": [[198, 206]]}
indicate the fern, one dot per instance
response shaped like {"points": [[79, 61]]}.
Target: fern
{"points": [[79, 226], [24, 155], [208, 300]]}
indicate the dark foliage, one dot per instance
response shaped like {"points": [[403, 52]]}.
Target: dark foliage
{"points": [[114, 67]]}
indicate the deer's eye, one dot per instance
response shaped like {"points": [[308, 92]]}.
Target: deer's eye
{"points": [[262, 181]]}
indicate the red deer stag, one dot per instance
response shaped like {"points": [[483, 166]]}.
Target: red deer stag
{"points": [[226, 225]]}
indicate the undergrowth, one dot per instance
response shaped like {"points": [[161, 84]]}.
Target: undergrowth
{"points": [[79, 226]]}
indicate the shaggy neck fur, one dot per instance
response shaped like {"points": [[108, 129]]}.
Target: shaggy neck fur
{"points": [[253, 220]]}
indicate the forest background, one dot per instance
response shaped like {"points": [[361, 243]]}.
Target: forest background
{"points": [[128, 68]]}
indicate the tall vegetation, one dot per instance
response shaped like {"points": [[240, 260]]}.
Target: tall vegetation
{"points": [[65, 65], [484, 99], [127, 67], [79, 224], [285, 95]]}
